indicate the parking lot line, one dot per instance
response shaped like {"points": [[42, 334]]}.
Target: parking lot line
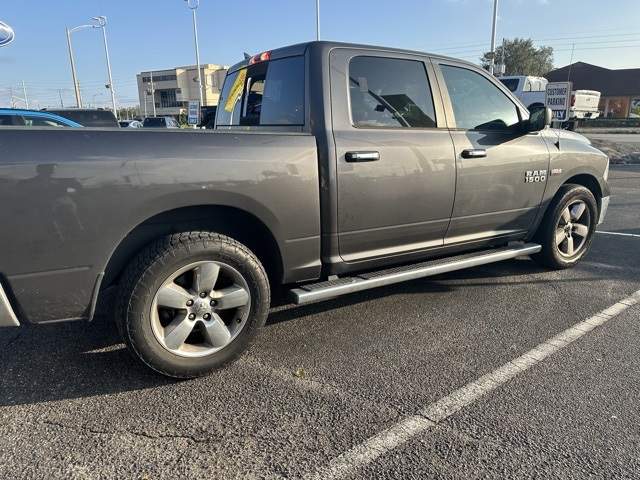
{"points": [[394, 436], [620, 234]]}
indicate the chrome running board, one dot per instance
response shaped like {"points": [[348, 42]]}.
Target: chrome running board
{"points": [[365, 281]]}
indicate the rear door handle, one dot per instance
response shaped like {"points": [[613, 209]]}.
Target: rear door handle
{"points": [[474, 153], [362, 156]]}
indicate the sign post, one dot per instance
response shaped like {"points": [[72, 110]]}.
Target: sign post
{"points": [[193, 117], [558, 98]]}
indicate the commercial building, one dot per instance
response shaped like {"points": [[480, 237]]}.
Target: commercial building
{"points": [[168, 92], [619, 89]]}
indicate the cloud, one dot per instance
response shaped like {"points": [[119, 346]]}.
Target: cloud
{"points": [[5, 59]]}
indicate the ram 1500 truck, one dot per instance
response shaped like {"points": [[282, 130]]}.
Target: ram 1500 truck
{"points": [[333, 168]]}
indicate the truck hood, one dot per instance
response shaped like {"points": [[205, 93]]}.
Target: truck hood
{"points": [[553, 133]]}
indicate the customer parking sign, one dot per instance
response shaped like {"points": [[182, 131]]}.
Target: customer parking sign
{"points": [[558, 98]]}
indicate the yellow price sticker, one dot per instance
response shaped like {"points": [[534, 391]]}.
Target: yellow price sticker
{"points": [[236, 90]]}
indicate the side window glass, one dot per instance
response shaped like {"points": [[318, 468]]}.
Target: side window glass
{"points": [[477, 103], [264, 94], [43, 122], [387, 92]]}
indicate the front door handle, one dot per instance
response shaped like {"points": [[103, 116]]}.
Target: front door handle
{"points": [[362, 156], [474, 153]]}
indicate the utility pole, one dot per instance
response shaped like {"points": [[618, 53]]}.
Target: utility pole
{"points": [[24, 90], [153, 94], [503, 67], [13, 102], [573, 45], [102, 22], [195, 36], [61, 103], [493, 37], [317, 19]]}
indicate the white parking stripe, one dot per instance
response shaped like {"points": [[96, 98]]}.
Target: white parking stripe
{"points": [[620, 234], [391, 438]]}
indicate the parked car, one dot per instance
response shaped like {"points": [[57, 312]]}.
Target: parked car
{"points": [[33, 118], [88, 117], [160, 122], [208, 116], [531, 92], [130, 124]]}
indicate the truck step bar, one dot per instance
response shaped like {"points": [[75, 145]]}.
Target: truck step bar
{"points": [[365, 281]]}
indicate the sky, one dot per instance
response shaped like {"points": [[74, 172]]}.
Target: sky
{"points": [[147, 35]]}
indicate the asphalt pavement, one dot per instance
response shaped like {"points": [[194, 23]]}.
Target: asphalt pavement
{"points": [[501, 371], [627, 138]]}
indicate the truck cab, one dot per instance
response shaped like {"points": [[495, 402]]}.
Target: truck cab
{"points": [[530, 90]]}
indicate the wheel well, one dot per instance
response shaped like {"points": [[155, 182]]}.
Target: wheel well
{"points": [[229, 221], [589, 182]]}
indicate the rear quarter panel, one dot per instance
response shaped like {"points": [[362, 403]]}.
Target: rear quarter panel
{"points": [[70, 197]]}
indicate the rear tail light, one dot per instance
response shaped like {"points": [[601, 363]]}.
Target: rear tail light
{"points": [[573, 100]]}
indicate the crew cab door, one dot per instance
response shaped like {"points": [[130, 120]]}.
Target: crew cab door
{"points": [[395, 168], [501, 170]]}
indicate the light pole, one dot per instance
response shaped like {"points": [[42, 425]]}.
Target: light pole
{"points": [[94, 99], [492, 60], [195, 35], [102, 23], [317, 19], [73, 67]]}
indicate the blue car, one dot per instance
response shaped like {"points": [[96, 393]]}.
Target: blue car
{"points": [[32, 118]]}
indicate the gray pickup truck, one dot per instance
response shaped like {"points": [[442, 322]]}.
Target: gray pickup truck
{"points": [[333, 168]]}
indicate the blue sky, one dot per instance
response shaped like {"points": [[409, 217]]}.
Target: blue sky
{"points": [[158, 34]]}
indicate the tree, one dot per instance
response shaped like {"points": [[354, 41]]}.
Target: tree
{"points": [[128, 112], [521, 58]]}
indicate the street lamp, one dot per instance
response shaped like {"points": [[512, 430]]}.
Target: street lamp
{"points": [[102, 22], [94, 99], [317, 19], [195, 35], [73, 67], [492, 59]]}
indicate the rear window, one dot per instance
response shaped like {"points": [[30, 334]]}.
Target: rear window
{"points": [[89, 118], [266, 94], [154, 122], [510, 83]]}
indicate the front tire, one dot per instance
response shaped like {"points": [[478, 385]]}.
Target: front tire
{"points": [[568, 228], [191, 303]]}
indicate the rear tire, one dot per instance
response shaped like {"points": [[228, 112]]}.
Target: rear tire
{"points": [[191, 303], [567, 229]]}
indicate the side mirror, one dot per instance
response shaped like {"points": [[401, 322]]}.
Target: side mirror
{"points": [[539, 118]]}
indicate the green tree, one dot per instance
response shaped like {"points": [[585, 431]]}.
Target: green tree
{"points": [[521, 58], [128, 113]]}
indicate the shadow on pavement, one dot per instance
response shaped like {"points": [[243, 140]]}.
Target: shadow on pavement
{"points": [[45, 363]]}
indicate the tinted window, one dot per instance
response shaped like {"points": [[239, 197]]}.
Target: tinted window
{"points": [[35, 121], [154, 122], [6, 120], [89, 118], [510, 83], [264, 94], [477, 103], [387, 92]]}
